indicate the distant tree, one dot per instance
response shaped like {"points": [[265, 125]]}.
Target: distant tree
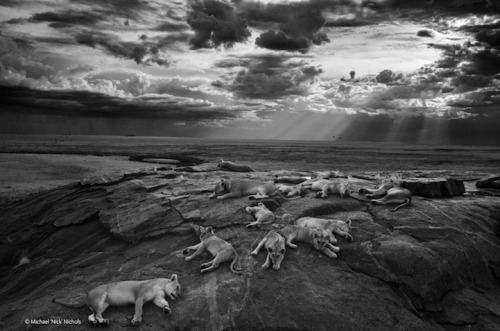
{"points": [[385, 76], [352, 73]]}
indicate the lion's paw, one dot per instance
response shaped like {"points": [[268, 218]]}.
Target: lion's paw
{"points": [[167, 310], [136, 321]]}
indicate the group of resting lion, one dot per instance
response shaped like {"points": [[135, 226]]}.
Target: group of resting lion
{"points": [[315, 231]]}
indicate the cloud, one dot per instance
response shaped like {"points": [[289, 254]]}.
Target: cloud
{"points": [[270, 77], [82, 103], [299, 33], [68, 17], [215, 24], [140, 53]]}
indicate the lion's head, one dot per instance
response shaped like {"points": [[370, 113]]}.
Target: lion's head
{"points": [[173, 288], [320, 238]]}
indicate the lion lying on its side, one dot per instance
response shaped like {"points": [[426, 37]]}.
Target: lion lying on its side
{"points": [[331, 226], [319, 238], [325, 186], [128, 292], [236, 188], [261, 214], [219, 248], [389, 193]]}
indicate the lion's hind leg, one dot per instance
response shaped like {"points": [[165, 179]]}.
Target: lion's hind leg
{"points": [[289, 241], [98, 313], [210, 265]]}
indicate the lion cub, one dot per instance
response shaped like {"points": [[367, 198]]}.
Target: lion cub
{"points": [[275, 246], [261, 214], [128, 292], [339, 227], [319, 238], [219, 248]]}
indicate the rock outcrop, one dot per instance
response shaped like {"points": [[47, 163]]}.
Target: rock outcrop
{"points": [[489, 182], [434, 265], [434, 187]]}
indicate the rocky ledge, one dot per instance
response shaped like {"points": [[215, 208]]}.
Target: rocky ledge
{"points": [[432, 266]]}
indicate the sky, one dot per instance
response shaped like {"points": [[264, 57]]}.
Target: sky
{"points": [[420, 72]]}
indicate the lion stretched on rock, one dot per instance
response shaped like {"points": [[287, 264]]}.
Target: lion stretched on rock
{"points": [[389, 193], [128, 292], [236, 188], [219, 248], [319, 238], [329, 225], [261, 214]]}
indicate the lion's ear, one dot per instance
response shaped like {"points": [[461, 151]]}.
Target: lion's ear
{"points": [[174, 278], [348, 222], [210, 229], [221, 160]]}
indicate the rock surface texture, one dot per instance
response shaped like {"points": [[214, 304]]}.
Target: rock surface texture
{"points": [[434, 265]]}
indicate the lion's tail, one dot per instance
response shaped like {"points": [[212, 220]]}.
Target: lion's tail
{"points": [[70, 305], [233, 263], [406, 203]]}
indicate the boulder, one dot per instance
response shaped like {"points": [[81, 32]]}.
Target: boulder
{"points": [[431, 266], [489, 182], [434, 187]]}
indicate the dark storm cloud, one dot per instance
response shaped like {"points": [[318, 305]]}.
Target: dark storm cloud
{"points": [[299, 33], [68, 17], [269, 77], [138, 52], [215, 24], [89, 104], [131, 9]]}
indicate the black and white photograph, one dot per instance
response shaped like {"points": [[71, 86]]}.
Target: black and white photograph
{"points": [[321, 165]]}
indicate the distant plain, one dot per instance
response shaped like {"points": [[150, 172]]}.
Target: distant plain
{"points": [[30, 163]]}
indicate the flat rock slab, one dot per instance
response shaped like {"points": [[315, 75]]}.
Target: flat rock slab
{"points": [[434, 187], [161, 161], [427, 266]]}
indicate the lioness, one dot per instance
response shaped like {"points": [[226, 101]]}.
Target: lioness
{"points": [[389, 193], [290, 191], [128, 292], [235, 188], [319, 238], [342, 189], [228, 165], [219, 248], [325, 186], [261, 214], [339, 227], [275, 246]]}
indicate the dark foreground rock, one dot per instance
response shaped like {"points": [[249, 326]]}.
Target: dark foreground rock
{"points": [[432, 266]]}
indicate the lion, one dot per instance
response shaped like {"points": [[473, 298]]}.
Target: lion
{"points": [[219, 248], [129, 292], [261, 214], [290, 191], [325, 186], [319, 238], [275, 246], [231, 166], [389, 193], [331, 226], [342, 189], [236, 188]]}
